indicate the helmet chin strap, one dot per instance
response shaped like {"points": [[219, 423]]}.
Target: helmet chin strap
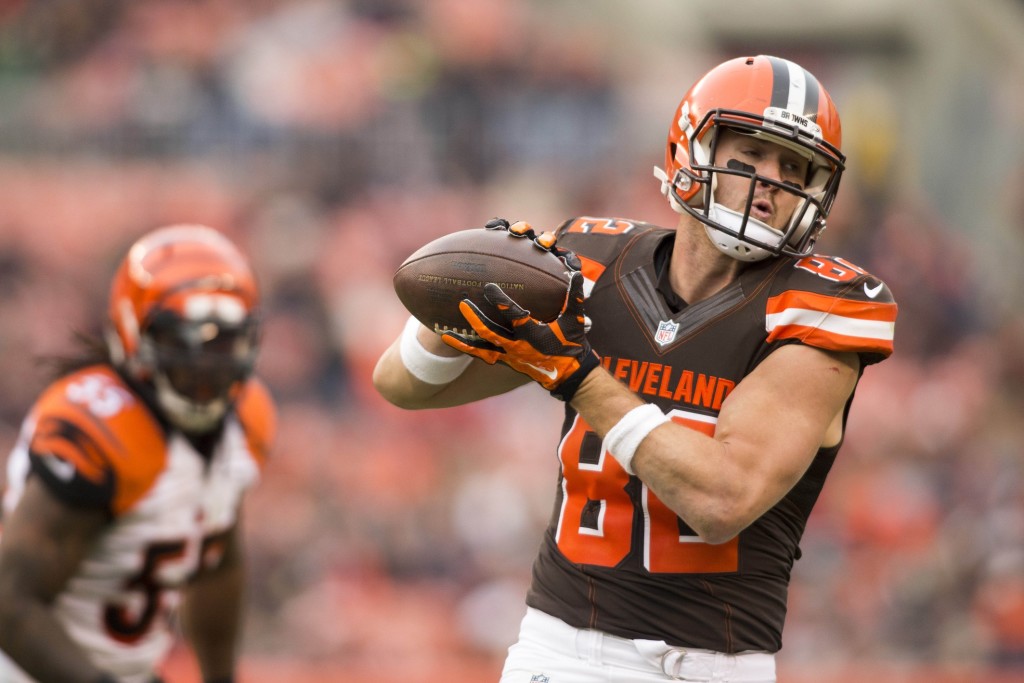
{"points": [[733, 246], [728, 218], [730, 245]]}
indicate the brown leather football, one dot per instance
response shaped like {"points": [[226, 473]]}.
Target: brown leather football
{"points": [[437, 276]]}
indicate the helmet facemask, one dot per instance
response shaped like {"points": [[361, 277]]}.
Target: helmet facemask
{"points": [[196, 366], [735, 232]]}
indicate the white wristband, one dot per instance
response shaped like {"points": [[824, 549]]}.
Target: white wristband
{"points": [[424, 365], [624, 438]]}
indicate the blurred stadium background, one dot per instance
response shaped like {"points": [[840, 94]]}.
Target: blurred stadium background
{"points": [[332, 138]]}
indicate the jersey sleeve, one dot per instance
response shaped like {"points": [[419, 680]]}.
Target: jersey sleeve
{"points": [[93, 442], [832, 304], [598, 241], [68, 460], [257, 414]]}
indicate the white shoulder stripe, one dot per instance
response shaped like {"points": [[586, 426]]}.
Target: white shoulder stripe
{"points": [[837, 324]]}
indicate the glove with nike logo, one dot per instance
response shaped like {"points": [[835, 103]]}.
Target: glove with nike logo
{"points": [[557, 355]]}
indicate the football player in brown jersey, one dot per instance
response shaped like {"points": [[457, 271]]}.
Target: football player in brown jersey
{"points": [[124, 488], [707, 373]]}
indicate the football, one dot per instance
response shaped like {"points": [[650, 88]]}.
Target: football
{"points": [[437, 276]]}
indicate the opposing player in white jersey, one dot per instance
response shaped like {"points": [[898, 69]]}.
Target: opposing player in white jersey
{"points": [[124, 489]]}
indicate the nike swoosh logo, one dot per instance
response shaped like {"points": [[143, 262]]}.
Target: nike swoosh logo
{"points": [[872, 292], [550, 374]]}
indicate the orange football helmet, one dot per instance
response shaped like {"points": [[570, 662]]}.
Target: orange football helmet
{"points": [[183, 321], [769, 98]]}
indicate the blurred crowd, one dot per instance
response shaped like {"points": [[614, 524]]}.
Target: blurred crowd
{"points": [[332, 138]]}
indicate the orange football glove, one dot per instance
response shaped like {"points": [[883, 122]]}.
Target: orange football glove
{"points": [[557, 355]]}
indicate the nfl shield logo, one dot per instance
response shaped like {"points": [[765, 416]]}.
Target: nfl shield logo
{"points": [[666, 333]]}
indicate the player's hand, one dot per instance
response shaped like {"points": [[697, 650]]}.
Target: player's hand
{"points": [[556, 355], [545, 240]]}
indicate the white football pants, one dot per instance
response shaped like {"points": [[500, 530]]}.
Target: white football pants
{"points": [[551, 651]]}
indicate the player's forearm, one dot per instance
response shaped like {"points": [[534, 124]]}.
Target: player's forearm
{"points": [[690, 472], [602, 401], [397, 385], [35, 563], [31, 637], [212, 616], [406, 387]]}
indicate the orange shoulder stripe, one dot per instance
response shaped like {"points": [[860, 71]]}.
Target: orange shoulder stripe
{"points": [[832, 323], [91, 419], [591, 269], [258, 415]]}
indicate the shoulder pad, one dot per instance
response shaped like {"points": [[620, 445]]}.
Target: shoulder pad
{"points": [[599, 241], [93, 421], [830, 303], [606, 227], [258, 416]]}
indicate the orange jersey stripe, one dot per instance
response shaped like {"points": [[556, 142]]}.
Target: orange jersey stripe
{"points": [[93, 420], [257, 413], [591, 270], [832, 323]]}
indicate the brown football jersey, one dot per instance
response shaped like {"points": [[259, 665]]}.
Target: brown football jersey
{"points": [[616, 558]]}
